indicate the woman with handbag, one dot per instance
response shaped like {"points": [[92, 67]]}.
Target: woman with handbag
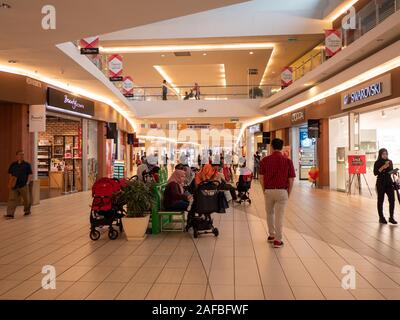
{"points": [[384, 185]]}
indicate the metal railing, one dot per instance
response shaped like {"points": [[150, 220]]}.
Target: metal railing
{"points": [[208, 92], [367, 18]]}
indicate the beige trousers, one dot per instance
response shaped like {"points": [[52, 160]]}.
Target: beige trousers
{"points": [[14, 200], [275, 204]]}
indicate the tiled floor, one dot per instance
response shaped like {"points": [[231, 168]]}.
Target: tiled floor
{"points": [[324, 231]]}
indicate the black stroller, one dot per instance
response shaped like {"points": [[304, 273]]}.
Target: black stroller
{"points": [[243, 187], [396, 182], [207, 200]]}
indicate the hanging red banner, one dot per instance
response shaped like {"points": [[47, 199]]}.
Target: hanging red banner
{"points": [[127, 87], [287, 76], [115, 67], [333, 42], [89, 45]]}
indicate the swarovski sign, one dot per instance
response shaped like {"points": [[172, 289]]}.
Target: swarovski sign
{"points": [[377, 89], [363, 94]]}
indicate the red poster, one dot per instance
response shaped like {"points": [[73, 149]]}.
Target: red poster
{"points": [[109, 157], [115, 67], [333, 42], [89, 45], [357, 164], [287, 76]]}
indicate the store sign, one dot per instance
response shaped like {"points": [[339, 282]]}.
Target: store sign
{"points": [[298, 117], [313, 128], [333, 42], [115, 67], [377, 89], [127, 87], [357, 164], [287, 76], [37, 118], [69, 103], [89, 45]]}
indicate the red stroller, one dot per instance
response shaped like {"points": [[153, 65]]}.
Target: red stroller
{"points": [[105, 210]]}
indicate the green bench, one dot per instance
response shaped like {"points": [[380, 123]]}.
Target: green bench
{"points": [[164, 220]]}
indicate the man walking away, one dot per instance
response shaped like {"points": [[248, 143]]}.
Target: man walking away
{"points": [[19, 178], [164, 90], [257, 159], [276, 177]]}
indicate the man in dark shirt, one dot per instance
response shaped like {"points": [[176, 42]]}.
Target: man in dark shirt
{"points": [[164, 90], [276, 177], [20, 176]]}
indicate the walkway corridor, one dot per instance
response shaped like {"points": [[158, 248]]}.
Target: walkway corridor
{"points": [[324, 231]]}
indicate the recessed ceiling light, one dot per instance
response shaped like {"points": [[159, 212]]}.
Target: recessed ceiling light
{"points": [[251, 52], [163, 55], [12, 61], [204, 54], [5, 6]]}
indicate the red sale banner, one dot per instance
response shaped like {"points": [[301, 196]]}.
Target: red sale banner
{"points": [[287, 76], [333, 42], [89, 45], [127, 87], [357, 164], [115, 67]]}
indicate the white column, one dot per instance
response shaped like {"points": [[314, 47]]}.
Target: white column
{"points": [[85, 137]]}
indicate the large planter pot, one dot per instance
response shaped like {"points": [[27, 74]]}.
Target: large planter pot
{"points": [[135, 228]]}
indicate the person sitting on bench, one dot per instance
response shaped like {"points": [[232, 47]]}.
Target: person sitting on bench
{"points": [[175, 199]]}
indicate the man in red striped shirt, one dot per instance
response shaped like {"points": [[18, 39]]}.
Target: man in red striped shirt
{"points": [[276, 177]]}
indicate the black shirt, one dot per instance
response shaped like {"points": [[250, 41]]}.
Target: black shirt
{"points": [[21, 171], [383, 178]]}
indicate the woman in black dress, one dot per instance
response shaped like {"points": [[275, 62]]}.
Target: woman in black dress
{"points": [[384, 185]]}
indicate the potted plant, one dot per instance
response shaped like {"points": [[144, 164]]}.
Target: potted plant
{"points": [[138, 198], [256, 92]]}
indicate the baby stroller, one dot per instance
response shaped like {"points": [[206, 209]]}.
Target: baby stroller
{"points": [[206, 201], [105, 210], [396, 182], [243, 187]]}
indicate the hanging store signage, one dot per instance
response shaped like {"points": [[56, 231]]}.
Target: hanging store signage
{"points": [[313, 128], [377, 89], [298, 117], [89, 45], [287, 76], [37, 118], [115, 67], [127, 87], [66, 102], [357, 164], [333, 42]]}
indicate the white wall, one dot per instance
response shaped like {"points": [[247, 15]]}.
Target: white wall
{"points": [[190, 108]]}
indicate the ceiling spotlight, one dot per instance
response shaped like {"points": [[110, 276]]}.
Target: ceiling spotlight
{"points": [[251, 52], [5, 6], [163, 55], [12, 61], [204, 54]]}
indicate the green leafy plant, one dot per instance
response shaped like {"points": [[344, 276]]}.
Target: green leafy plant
{"points": [[256, 92], [138, 198]]}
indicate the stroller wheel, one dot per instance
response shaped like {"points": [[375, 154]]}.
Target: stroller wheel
{"points": [[216, 232], [195, 233], [249, 201], [113, 234], [94, 235]]}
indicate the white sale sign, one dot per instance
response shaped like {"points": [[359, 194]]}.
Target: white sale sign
{"points": [[37, 118]]}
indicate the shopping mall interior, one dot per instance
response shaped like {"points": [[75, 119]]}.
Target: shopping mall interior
{"points": [[112, 105]]}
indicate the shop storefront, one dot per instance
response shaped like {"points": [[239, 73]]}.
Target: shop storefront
{"points": [[369, 121], [67, 150]]}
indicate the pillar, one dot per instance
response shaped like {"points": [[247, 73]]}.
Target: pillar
{"points": [[323, 154]]}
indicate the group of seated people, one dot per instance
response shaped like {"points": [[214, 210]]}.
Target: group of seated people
{"points": [[183, 182]]}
